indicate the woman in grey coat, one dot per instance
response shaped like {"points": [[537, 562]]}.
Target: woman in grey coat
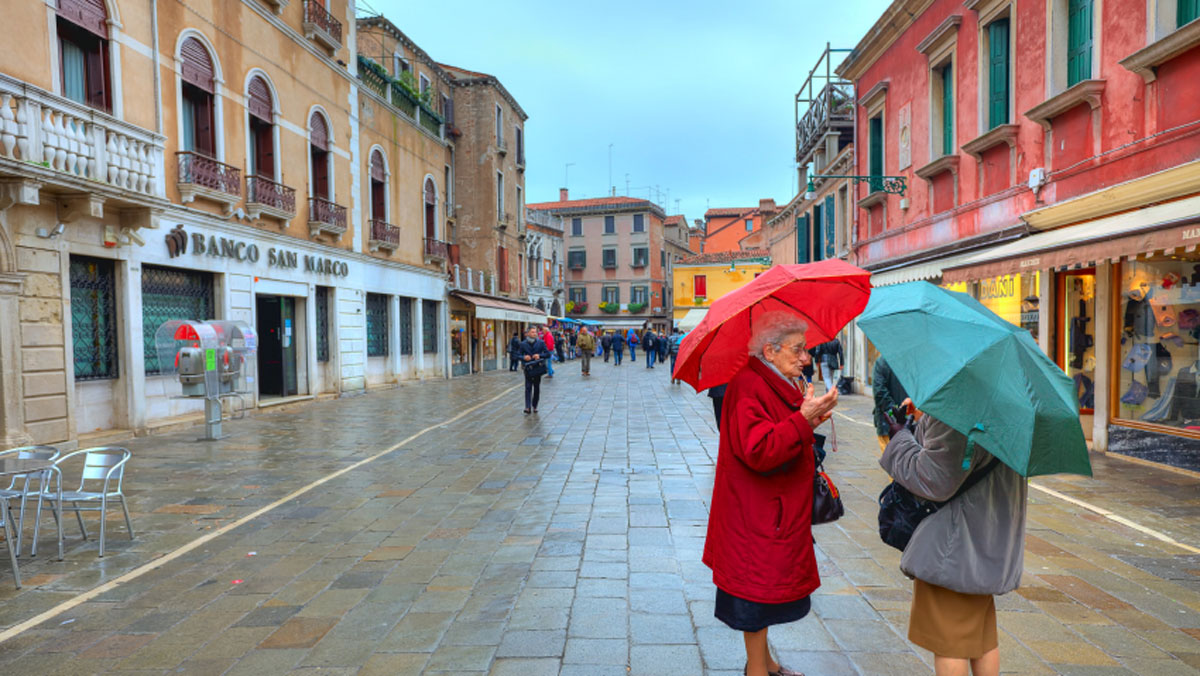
{"points": [[963, 554]]}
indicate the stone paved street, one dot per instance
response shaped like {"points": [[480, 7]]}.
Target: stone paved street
{"points": [[563, 543]]}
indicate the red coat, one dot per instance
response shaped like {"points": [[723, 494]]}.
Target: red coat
{"points": [[759, 542]]}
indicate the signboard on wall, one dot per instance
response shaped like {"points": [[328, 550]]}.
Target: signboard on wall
{"points": [[904, 124]]}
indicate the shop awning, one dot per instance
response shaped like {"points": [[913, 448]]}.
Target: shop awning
{"points": [[487, 307], [1159, 228], [692, 319], [931, 269]]}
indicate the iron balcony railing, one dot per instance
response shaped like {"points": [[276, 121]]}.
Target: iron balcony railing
{"points": [[436, 248], [268, 193], [205, 172], [384, 234], [315, 13], [831, 110], [332, 217]]}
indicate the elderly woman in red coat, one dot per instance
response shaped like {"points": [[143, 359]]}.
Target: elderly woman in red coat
{"points": [[759, 543]]}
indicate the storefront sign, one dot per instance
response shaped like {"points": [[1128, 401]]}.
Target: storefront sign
{"points": [[1004, 287], [225, 247]]}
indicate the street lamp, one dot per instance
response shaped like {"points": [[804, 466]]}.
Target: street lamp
{"points": [[895, 185]]}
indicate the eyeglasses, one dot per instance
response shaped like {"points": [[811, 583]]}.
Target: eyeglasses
{"points": [[796, 349]]}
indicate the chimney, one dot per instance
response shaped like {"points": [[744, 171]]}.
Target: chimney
{"points": [[562, 195], [767, 206]]}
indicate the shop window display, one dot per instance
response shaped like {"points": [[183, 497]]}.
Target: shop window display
{"points": [[1013, 297], [458, 338], [1159, 374], [1077, 351]]}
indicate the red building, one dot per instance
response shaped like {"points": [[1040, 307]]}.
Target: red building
{"points": [[1048, 150], [736, 228]]}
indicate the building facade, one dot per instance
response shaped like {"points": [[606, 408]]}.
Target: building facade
{"points": [[700, 279], [1049, 154], [545, 262], [616, 260], [725, 229]]}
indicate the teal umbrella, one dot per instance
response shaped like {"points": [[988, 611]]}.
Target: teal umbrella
{"points": [[981, 375]]}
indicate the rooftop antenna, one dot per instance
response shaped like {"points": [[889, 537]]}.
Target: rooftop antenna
{"points": [[566, 173], [610, 183], [627, 185]]}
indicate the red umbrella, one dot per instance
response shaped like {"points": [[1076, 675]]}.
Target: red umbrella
{"points": [[827, 295]]}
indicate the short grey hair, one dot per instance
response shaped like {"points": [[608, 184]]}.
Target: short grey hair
{"points": [[771, 328]]}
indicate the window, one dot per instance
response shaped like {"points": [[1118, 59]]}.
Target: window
{"points": [[641, 256], [802, 253], [520, 145], [700, 286], [429, 325], [998, 73], [577, 227], [875, 152], [610, 225], [1079, 41], [499, 126], [639, 223], [447, 178], [447, 110], [424, 86], [171, 293], [578, 294], [662, 258], [378, 187], [400, 65], [942, 113], [322, 323], [639, 294], [197, 72], [830, 229], [319, 155], [520, 206], [429, 198], [500, 197], [406, 326], [749, 225], [1186, 11], [612, 294], [262, 128], [377, 325], [502, 267], [93, 318], [577, 260], [83, 52], [609, 258]]}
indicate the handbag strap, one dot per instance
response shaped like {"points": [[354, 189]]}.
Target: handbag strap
{"points": [[973, 479]]}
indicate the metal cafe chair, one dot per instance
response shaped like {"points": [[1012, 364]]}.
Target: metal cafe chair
{"points": [[103, 465], [18, 486]]}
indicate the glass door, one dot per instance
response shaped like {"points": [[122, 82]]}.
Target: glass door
{"points": [[1076, 351]]}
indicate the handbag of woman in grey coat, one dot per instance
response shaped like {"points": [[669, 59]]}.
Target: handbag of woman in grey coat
{"points": [[962, 554]]}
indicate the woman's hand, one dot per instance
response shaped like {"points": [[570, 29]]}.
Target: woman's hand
{"points": [[817, 410]]}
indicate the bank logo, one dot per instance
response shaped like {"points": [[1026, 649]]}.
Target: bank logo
{"points": [[177, 241]]}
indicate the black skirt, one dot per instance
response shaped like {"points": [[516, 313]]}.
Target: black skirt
{"points": [[752, 616]]}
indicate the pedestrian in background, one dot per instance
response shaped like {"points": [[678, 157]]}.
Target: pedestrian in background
{"points": [[649, 347], [618, 347], [759, 543], [587, 345], [514, 347], [535, 356], [964, 553], [717, 394], [889, 394], [663, 346], [676, 339], [560, 346], [548, 340], [574, 343], [631, 337], [832, 357], [606, 342]]}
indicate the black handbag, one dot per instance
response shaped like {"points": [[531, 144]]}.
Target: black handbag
{"points": [[827, 502], [900, 512]]}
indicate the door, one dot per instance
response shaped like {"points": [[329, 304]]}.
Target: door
{"points": [[287, 314], [277, 346]]}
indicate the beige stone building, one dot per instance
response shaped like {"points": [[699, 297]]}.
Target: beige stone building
{"points": [[271, 162]]}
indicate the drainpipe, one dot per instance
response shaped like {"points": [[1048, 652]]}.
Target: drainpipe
{"points": [[158, 111]]}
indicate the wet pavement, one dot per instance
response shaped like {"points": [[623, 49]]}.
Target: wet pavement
{"points": [[563, 543]]}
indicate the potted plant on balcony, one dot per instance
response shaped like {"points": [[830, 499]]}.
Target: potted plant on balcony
{"points": [[699, 300], [636, 307], [610, 308]]}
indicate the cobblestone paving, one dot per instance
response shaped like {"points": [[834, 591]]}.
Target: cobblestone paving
{"points": [[562, 543]]}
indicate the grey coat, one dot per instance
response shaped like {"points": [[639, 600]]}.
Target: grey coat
{"points": [[976, 543]]}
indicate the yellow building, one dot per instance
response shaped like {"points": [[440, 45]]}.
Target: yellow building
{"points": [[701, 279]]}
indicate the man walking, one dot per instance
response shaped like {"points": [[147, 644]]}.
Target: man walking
{"points": [[618, 346], [534, 356], [664, 345], [676, 339], [889, 394], [650, 347], [832, 358], [514, 346], [606, 342], [631, 337], [587, 345], [548, 341], [574, 343]]}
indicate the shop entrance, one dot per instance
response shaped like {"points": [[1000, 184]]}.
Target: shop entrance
{"points": [[276, 346]]}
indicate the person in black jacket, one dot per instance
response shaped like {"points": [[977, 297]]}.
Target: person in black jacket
{"points": [[606, 344], [514, 346], [889, 394], [534, 355]]}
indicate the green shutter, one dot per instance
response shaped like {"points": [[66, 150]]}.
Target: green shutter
{"points": [[830, 234], [948, 109], [1186, 11], [998, 73], [817, 238], [802, 239], [875, 152], [1079, 41]]}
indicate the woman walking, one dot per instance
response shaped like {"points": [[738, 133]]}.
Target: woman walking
{"points": [[962, 554], [759, 543]]}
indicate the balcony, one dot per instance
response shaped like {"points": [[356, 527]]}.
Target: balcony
{"points": [[384, 235], [436, 250], [49, 143], [202, 176], [325, 217], [265, 197], [502, 220], [831, 111], [321, 27], [466, 279]]}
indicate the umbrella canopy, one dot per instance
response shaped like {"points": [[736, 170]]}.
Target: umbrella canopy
{"points": [[979, 374], [827, 295]]}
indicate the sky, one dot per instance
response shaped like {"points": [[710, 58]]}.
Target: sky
{"points": [[695, 99]]}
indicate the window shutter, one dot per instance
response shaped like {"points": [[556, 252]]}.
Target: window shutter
{"points": [[998, 73], [700, 285], [90, 15], [430, 192], [1079, 41], [259, 99], [96, 63], [802, 254], [1186, 11], [377, 171], [875, 152], [318, 131], [205, 135], [830, 232], [948, 109], [197, 68], [817, 248], [264, 148]]}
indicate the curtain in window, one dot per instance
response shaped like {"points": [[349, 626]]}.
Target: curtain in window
{"points": [[189, 125], [74, 73]]}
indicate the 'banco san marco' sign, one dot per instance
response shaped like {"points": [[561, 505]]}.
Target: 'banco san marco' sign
{"points": [[178, 242]]}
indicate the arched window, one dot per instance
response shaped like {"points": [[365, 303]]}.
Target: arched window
{"points": [[199, 85], [378, 187], [83, 52], [318, 136], [262, 128], [430, 209]]}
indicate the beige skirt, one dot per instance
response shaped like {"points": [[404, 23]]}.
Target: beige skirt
{"points": [[950, 624]]}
